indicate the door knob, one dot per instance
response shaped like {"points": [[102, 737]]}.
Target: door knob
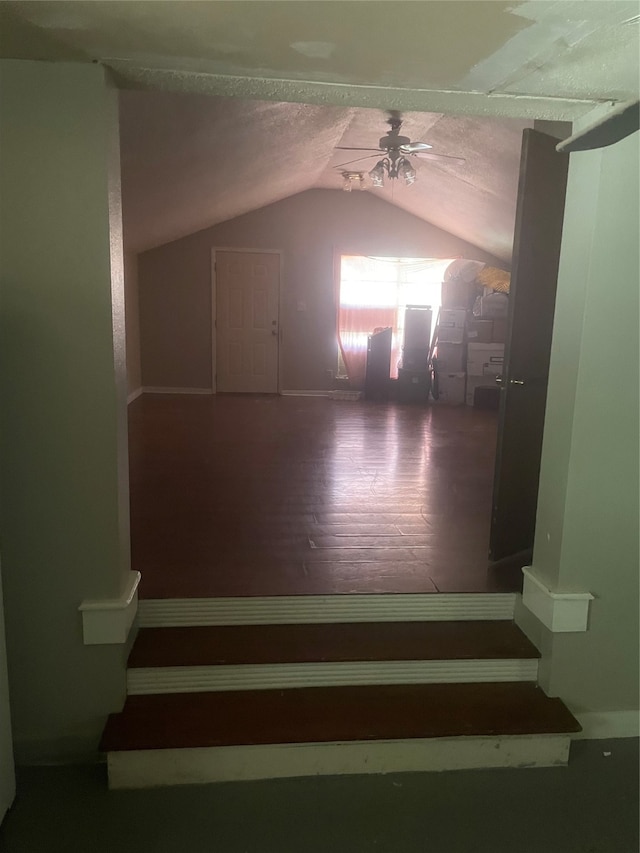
{"points": [[499, 380], [516, 382]]}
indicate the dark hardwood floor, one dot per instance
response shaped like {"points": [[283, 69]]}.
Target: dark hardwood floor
{"points": [[221, 645], [264, 495], [321, 714]]}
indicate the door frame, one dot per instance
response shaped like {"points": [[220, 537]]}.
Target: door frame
{"points": [[214, 309]]}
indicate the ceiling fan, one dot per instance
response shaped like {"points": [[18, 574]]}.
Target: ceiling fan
{"points": [[396, 150]]}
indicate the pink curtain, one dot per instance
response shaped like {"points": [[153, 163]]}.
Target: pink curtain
{"points": [[373, 293], [355, 324]]}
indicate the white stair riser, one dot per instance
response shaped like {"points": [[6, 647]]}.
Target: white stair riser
{"points": [[295, 609], [198, 679], [157, 767]]}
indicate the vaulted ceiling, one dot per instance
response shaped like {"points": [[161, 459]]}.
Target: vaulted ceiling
{"points": [[246, 101], [190, 161]]}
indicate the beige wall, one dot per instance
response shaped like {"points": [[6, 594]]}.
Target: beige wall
{"points": [[587, 523], [132, 321], [63, 456], [175, 281]]}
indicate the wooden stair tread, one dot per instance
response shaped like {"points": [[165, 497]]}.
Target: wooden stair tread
{"points": [[330, 714], [307, 643]]}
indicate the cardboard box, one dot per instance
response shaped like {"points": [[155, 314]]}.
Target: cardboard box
{"points": [[452, 324], [480, 331], [451, 387], [451, 357], [474, 382], [499, 333], [485, 359], [494, 306]]}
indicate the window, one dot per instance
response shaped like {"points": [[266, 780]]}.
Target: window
{"points": [[373, 294]]}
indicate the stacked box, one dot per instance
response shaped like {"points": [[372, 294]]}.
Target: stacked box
{"points": [[451, 387], [451, 357], [452, 325], [494, 306], [480, 331], [499, 330], [484, 363], [474, 344], [485, 359]]}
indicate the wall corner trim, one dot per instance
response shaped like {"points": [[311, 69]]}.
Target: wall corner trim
{"points": [[108, 620], [134, 395], [558, 611]]}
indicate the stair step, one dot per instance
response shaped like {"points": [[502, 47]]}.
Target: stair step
{"points": [[262, 657], [319, 714], [273, 644], [207, 737]]}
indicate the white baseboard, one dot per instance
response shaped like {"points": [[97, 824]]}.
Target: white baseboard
{"points": [[155, 389], [305, 393], [598, 725], [156, 767], [297, 609], [560, 612], [109, 620], [281, 676], [134, 395], [348, 396]]}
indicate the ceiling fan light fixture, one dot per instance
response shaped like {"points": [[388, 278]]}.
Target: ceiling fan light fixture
{"points": [[406, 172], [396, 152], [377, 174], [351, 180]]}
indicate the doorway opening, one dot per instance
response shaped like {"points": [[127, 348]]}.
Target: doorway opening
{"points": [[203, 530]]}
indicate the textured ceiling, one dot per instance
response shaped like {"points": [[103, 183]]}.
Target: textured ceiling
{"points": [[468, 75], [565, 49], [190, 161]]}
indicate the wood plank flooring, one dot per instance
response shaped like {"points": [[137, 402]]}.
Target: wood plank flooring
{"points": [[304, 643], [253, 495], [325, 714]]}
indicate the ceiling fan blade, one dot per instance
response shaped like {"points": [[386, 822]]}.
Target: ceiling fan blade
{"points": [[415, 147], [349, 162], [349, 148], [427, 155]]}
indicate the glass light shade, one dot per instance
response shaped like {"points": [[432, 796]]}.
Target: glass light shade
{"points": [[377, 174], [406, 172]]}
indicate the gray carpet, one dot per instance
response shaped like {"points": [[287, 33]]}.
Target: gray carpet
{"points": [[589, 807]]}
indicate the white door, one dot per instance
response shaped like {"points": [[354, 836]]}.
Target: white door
{"points": [[247, 321]]}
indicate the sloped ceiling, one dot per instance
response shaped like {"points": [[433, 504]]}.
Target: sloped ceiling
{"points": [[192, 161], [468, 76]]}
